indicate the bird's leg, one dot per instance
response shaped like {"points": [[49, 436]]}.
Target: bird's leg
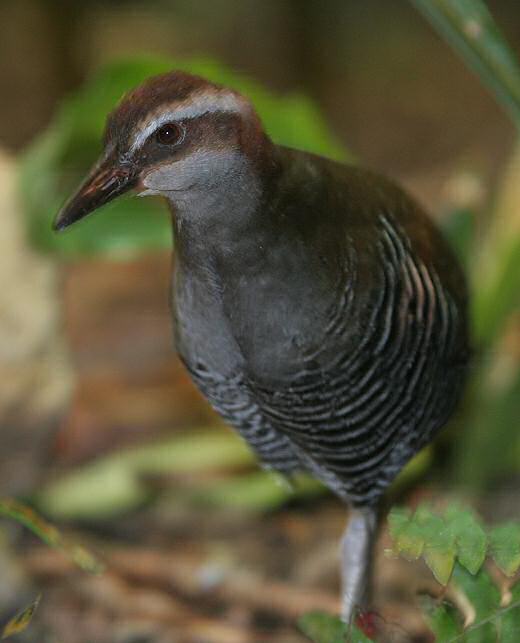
{"points": [[356, 560]]}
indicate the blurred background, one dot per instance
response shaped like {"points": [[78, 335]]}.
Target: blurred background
{"points": [[100, 428]]}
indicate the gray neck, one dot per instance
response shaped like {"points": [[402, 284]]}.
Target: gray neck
{"points": [[215, 200]]}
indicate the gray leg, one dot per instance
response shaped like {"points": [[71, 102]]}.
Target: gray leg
{"points": [[356, 560]]}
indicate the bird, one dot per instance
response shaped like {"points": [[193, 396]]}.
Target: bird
{"points": [[316, 306]]}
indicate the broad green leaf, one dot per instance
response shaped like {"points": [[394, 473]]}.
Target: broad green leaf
{"points": [[445, 624], [440, 559], [256, 491], [508, 624], [325, 628], [485, 599], [496, 274], [398, 520], [459, 228], [426, 534], [407, 533], [470, 539], [499, 296], [455, 547], [439, 539], [439, 544], [50, 535], [505, 547], [490, 445], [116, 483], [21, 621], [469, 27], [56, 161]]}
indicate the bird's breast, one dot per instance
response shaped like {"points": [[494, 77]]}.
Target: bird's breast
{"points": [[278, 314], [270, 321]]}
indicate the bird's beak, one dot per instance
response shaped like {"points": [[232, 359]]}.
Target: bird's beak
{"points": [[107, 180]]}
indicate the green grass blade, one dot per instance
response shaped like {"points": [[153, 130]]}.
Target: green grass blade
{"points": [[49, 534], [469, 27]]}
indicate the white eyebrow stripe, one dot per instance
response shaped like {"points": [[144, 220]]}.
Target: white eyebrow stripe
{"points": [[197, 106]]}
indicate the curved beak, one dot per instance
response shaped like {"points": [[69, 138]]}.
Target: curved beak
{"points": [[107, 180]]}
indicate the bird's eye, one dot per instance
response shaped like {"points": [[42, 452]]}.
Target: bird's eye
{"points": [[169, 134]]}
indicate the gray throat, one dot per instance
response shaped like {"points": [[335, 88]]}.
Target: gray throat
{"points": [[215, 201]]}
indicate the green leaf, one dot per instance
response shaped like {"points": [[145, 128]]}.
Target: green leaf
{"points": [[117, 483], [407, 533], [424, 534], [485, 599], [321, 627], [440, 559], [439, 543], [444, 623], [440, 540], [398, 520], [258, 491], [498, 296], [470, 538], [505, 547], [469, 27], [459, 228], [55, 163], [459, 535], [489, 448], [509, 622], [21, 621]]}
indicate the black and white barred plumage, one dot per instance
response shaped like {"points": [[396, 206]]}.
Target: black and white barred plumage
{"points": [[382, 374]]}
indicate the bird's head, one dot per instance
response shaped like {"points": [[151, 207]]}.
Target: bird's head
{"points": [[175, 135]]}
